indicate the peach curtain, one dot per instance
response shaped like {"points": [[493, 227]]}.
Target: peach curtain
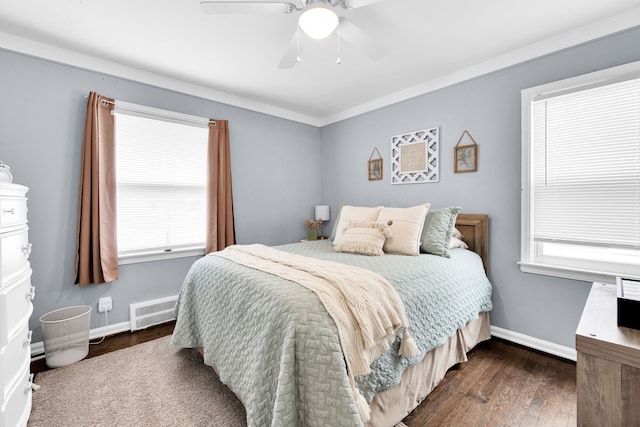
{"points": [[220, 228], [96, 243]]}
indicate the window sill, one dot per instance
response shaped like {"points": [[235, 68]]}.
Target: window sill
{"points": [[158, 256], [568, 273]]}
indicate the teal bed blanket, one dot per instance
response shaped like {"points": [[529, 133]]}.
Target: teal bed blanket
{"points": [[273, 343]]}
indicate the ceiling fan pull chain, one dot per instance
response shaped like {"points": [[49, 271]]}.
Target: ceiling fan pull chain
{"points": [[338, 61], [298, 39]]}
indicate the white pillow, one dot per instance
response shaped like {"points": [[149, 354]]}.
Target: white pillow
{"points": [[406, 229], [457, 243], [354, 213], [363, 237], [456, 233]]}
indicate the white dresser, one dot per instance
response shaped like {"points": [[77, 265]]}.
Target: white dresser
{"points": [[16, 295]]}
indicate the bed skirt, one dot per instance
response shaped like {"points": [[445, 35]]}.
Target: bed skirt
{"points": [[390, 407]]}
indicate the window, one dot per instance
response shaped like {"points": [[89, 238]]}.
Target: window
{"points": [[161, 183], [581, 176]]}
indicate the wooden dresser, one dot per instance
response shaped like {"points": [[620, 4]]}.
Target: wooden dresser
{"points": [[608, 366], [16, 295]]}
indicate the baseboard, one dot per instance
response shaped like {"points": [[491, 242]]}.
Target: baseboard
{"points": [[37, 348], [535, 343]]}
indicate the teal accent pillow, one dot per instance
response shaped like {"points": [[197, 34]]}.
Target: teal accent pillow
{"points": [[438, 229], [336, 222]]}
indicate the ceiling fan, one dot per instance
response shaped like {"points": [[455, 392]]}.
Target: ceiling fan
{"points": [[317, 20]]}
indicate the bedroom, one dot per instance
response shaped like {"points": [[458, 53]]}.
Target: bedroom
{"points": [[44, 102]]}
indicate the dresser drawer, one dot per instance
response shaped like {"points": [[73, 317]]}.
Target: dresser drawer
{"points": [[13, 356], [13, 212], [16, 407], [14, 254], [15, 307]]}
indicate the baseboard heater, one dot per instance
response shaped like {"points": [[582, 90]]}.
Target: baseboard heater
{"points": [[149, 313]]}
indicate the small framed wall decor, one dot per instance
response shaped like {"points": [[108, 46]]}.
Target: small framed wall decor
{"points": [[375, 166], [465, 156]]}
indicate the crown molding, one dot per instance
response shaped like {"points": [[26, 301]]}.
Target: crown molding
{"points": [[599, 29], [584, 34], [52, 53]]}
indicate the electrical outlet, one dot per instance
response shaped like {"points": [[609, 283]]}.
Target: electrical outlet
{"points": [[105, 304]]}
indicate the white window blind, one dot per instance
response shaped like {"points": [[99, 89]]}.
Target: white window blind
{"points": [[161, 182], [581, 176], [586, 181]]}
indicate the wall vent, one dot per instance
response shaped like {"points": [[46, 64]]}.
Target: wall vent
{"points": [[149, 313]]}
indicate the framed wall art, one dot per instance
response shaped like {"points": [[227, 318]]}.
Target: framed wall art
{"points": [[415, 157], [375, 166], [465, 156]]}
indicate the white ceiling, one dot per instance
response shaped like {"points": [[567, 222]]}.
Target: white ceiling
{"points": [[234, 59]]}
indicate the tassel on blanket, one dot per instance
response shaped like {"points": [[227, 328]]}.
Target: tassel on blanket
{"points": [[408, 347], [363, 406]]}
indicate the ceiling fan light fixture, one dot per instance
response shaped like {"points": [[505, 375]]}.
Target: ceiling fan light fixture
{"points": [[318, 22]]}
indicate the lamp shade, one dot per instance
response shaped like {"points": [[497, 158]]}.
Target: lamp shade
{"points": [[323, 212], [318, 21]]}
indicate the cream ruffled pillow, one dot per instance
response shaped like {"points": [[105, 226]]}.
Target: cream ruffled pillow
{"points": [[363, 237], [354, 213]]}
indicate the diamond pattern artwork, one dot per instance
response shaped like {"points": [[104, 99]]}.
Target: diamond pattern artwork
{"points": [[415, 157]]}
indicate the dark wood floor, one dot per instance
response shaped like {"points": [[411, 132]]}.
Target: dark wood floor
{"points": [[501, 385]]}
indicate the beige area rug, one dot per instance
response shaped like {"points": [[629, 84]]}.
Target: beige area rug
{"points": [[150, 384]]}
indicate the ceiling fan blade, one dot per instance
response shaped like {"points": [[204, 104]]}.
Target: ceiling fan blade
{"points": [[352, 4], [293, 52], [246, 7], [360, 40]]}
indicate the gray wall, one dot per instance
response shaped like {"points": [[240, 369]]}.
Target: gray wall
{"points": [[489, 108], [281, 169], [276, 176]]}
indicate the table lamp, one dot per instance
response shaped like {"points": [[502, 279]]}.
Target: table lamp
{"points": [[323, 213]]}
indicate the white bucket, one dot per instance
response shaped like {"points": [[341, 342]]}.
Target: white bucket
{"points": [[66, 335]]}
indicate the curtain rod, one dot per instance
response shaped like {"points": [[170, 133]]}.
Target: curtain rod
{"points": [[151, 111]]}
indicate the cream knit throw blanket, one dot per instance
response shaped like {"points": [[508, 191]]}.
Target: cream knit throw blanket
{"points": [[364, 306]]}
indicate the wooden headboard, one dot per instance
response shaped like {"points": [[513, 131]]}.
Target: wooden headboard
{"points": [[475, 232]]}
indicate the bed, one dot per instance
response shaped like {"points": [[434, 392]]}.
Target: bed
{"points": [[274, 345]]}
